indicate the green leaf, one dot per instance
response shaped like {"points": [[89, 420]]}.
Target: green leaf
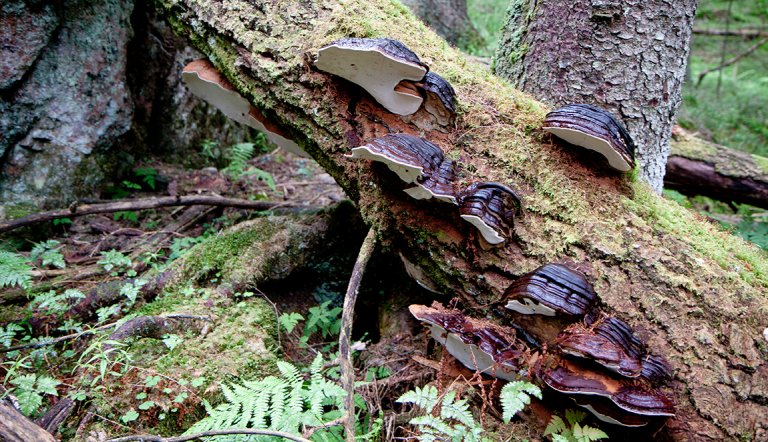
{"points": [[556, 426], [288, 321], [146, 405], [574, 416], [14, 270], [587, 434], [47, 385], [130, 416], [152, 381], [198, 382], [515, 396]]}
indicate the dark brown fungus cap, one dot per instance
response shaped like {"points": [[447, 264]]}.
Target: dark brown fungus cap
{"points": [[596, 129], [612, 354], [479, 345], [491, 208], [415, 160], [377, 65], [574, 378], [549, 290], [656, 369], [439, 99]]}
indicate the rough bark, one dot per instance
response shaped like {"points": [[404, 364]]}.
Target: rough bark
{"points": [[698, 167], [15, 427], [696, 294], [449, 18], [627, 56]]}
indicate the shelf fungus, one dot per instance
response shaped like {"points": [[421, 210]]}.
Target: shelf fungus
{"points": [[628, 395], [595, 129], [416, 161], [439, 98], [377, 65], [491, 208], [477, 344], [608, 342], [206, 82], [656, 369], [550, 290]]}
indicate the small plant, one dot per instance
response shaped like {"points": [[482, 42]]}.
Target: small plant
{"points": [[131, 290], [444, 418], [323, 319], [172, 341], [48, 252], [29, 390], [115, 262], [288, 321], [515, 396], [147, 175], [8, 333], [288, 403], [54, 303], [14, 270], [238, 162], [572, 431]]}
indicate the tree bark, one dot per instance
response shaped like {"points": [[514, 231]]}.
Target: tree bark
{"points": [[15, 427], [698, 167], [628, 57], [696, 294], [449, 18]]}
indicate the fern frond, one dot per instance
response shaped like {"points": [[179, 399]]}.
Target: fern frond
{"points": [[555, 426], [14, 270], [574, 416], [456, 410], [515, 396], [424, 398], [587, 433]]}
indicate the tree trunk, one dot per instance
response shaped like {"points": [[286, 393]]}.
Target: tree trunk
{"points": [[695, 293], [628, 57], [698, 167], [449, 18], [15, 427]]}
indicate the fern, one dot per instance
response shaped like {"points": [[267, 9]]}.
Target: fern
{"points": [[14, 270], [238, 163], [572, 431], [444, 418], [7, 334], [285, 403], [515, 396], [48, 252]]}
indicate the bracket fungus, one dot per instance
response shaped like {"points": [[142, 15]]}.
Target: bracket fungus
{"points": [[632, 396], [595, 129], [479, 345], [491, 207], [416, 161], [378, 65], [550, 290], [205, 81], [439, 98]]}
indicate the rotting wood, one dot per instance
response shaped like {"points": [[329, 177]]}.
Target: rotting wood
{"points": [[694, 293], [147, 203], [15, 427]]}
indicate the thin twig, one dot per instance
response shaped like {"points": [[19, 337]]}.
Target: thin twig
{"points": [[143, 204], [746, 33], [151, 438], [345, 335], [733, 60]]}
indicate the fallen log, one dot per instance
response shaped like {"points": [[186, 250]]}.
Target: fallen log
{"points": [[15, 427], [695, 294]]}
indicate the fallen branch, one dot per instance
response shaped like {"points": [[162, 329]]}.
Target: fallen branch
{"points": [[345, 350], [15, 427], [143, 204], [145, 438], [732, 60]]}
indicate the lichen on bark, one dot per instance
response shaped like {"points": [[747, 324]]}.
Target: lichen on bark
{"points": [[657, 266]]}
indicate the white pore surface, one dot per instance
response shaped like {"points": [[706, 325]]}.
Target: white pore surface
{"points": [[490, 235], [406, 172], [598, 145], [609, 419], [420, 192], [376, 72], [471, 356], [235, 107], [530, 307]]}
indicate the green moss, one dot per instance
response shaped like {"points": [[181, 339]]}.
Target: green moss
{"points": [[17, 210]]}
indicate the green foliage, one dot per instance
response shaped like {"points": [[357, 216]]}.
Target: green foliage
{"points": [[48, 252], [147, 175], [172, 341], [515, 396], [14, 270], [8, 333], [287, 403], [29, 390], [288, 321], [126, 215], [179, 246], [53, 303], [572, 431], [238, 166], [131, 290], [444, 418], [115, 262], [323, 319]]}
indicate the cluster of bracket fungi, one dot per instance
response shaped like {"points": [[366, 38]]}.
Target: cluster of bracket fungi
{"points": [[597, 360]]}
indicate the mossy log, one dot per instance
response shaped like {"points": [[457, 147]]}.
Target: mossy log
{"points": [[698, 167], [696, 294]]}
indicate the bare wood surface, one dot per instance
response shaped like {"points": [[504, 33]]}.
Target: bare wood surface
{"points": [[345, 334], [143, 204], [15, 427]]}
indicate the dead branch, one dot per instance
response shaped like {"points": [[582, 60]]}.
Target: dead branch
{"points": [[146, 203], [746, 33], [345, 350], [732, 60]]}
